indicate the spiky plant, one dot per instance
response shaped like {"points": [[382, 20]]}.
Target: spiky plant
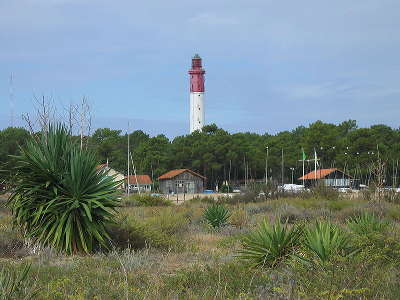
{"points": [[270, 244], [14, 284], [216, 215], [367, 223], [324, 240], [58, 198]]}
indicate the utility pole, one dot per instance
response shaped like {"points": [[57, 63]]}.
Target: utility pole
{"points": [[282, 171], [292, 169], [128, 162], [266, 167]]}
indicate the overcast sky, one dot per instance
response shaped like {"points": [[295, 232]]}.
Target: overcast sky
{"points": [[270, 65]]}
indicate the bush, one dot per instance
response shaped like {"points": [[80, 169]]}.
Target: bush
{"points": [[206, 200], [216, 215], [58, 198], [269, 245], [367, 223], [321, 192], [160, 231], [325, 240], [146, 200], [240, 198]]}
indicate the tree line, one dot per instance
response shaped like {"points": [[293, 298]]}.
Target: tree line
{"points": [[221, 156]]}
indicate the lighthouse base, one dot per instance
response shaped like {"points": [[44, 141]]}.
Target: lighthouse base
{"points": [[196, 111]]}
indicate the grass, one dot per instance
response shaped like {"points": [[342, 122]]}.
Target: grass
{"points": [[168, 252]]}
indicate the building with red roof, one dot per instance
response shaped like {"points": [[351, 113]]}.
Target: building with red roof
{"points": [[181, 181], [140, 183], [329, 177]]}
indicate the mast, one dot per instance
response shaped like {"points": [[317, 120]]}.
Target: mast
{"points": [[128, 162], [282, 168]]}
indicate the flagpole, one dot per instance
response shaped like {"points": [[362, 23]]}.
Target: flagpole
{"points": [[303, 169], [315, 165]]}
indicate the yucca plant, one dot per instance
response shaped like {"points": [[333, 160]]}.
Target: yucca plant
{"points": [[367, 223], [58, 198], [325, 240], [216, 215], [268, 245], [14, 285]]}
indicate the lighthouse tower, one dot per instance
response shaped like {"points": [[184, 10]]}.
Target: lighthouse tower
{"points": [[196, 94]]}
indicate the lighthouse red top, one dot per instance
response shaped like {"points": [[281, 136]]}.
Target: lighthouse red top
{"points": [[196, 75]]}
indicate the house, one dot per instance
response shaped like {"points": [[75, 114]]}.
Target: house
{"points": [[333, 177], [111, 172], [137, 183], [181, 181]]}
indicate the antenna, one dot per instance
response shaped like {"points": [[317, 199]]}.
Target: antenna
{"points": [[11, 101]]}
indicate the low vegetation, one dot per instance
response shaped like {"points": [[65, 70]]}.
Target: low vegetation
{"points": [[216, 215], [145, 200], [285, 248]]}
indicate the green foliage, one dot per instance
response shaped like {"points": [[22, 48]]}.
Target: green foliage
{"points": [[146, 200], [367, 223], [15, 285], [162, 230], [58, 197], [269, 245], [216, 215], [324, 240]]}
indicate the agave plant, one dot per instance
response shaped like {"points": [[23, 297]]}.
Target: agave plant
{"points": [[325, 240], [14, 284], [268, 245], [216, 215], [58, 198], [367, 223]]}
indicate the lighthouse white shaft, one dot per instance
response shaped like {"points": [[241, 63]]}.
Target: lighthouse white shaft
{"points": [[196, 111]]}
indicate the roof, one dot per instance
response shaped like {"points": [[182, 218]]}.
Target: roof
{"points": [[319, 174], [101, 166], [141, 179], [174, 173]]}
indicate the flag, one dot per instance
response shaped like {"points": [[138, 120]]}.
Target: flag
{"points": [[303, 154]]}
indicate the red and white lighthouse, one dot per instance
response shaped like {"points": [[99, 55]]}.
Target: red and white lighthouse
{"points": [[196, 94]]}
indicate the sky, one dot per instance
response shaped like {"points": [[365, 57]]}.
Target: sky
{"points": [[270, 65]]}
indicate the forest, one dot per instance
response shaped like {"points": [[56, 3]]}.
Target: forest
{"points": [[220, 155]]}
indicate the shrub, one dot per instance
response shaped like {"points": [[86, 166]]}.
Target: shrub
{"points": [[160, 231], [321, 191], [325, 240], [241, 198], [367, 223], [207, 200], [58, 198], [146, 200], [216, 215], [253, 209], [239, 217], [268, 245], [14, 284]]}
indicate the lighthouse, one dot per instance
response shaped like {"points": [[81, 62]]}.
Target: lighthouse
{"points": [[196, 94]]}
